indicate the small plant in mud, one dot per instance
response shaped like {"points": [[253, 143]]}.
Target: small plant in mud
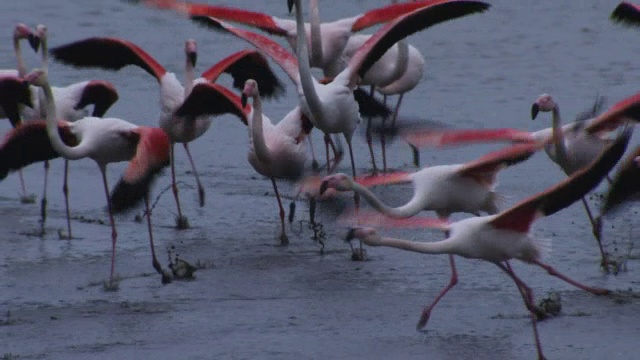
{"points": [[181, 269]]}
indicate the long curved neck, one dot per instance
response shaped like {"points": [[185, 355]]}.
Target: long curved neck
{"points": [[70, 153], [316, 34], [306, 80], [402, 61], [409, 209], [22, 68], [45, 53], [257, 130], [188, 77], [438, 247], [558, 135]]}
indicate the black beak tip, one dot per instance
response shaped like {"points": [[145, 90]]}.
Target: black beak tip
{"points": [[290, 5], [535, 109], [34, 42], [193, 58], [323, 187], [350, 235], [243, 100]]}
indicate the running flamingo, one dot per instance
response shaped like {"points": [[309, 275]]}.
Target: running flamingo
{"points": [[105, 140], [113, 54], [504, 236]]}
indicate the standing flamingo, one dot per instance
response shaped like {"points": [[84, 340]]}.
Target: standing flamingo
{"points": [[504, 236], [107, 140], [113, 54]]}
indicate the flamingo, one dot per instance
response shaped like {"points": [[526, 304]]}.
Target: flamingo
{"points": [[113, 54], [20, 32], [106, 140], [446, 189], [501, 237], [626, 13]]}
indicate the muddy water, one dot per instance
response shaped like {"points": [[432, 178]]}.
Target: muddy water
{"points": [[252, 299]]}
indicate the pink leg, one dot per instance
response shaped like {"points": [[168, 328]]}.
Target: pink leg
{"points": [[65, 191], [337, 154], [284, 240], [154, 260], [114, 233], [195, 173], [369, 140], [426, 313], [314, 162], [527, 297], [24, 188], [596, 226], [43, 201], [182, 221], [327, 141], [552, 271]]}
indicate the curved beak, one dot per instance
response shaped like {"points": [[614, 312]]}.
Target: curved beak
{"points": [[324, 186], [193, 58], [243, 100], [290, 5], [535, 109], [34, 42]]}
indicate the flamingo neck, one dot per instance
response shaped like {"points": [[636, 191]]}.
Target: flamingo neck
{"points": [[45, 53], [22, 68], [316, 34], [69, 153], [309, 94], [257, 131], [446, 246], [414, 206], [188, 78], [558, 136], [402, 61]]}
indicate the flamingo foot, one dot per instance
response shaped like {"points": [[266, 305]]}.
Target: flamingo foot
{"points": [[284, 240], [28, 199], [358, 254], [424, 318], [314, 165], [62, 235], [112, 285], [201, 195], [182, 222]]}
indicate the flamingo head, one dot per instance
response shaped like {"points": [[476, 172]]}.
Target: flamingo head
{"points": [[290, 4], [339, 181], [22, 31], [191, 51], [544, 103], [40, 37], [37, 77], [250, 90], [362, 233]]}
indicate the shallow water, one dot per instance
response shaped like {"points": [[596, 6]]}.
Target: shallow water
{"points": [[252, 299]]}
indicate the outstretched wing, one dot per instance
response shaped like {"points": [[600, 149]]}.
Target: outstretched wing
{"points": [[625, 184], [485, 169], [626, 13], [212, 99]]}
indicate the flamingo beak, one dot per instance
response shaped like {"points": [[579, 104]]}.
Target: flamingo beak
{"points": [[324, 186], [290, 5], [193, 58], [243, 100], [34, 42], [535, 109], [350, 235]]}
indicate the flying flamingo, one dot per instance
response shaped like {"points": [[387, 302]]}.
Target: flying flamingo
{"points": [[626, 13], [446, 189], [113, 54], [501, 237], [105, 140]]}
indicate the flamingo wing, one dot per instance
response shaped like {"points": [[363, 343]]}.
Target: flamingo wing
{"points": [[626, 13], [618, 114], [107, 53], [387, 13], [369, 105], [279, 54], [441, 138], [374, 218], [625, 184], [521, 216], [485, 169], [406, 25], [244, 65], [29, 143], [151, 156], [14, 91], [212, 99], [102, 94]]}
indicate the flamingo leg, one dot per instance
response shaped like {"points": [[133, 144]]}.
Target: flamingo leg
{"points": [[314, 162], [337, 153], [22, 186], [527, 297], [114, 232], [43, 202], [596, 226], [65, 191], [195, 173], [327, 141], [356, 195], [453, 281], [369, 140], [154, 260], [553, 272], [393, 124], [181, 221], [383, 141], [284, 240]]}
